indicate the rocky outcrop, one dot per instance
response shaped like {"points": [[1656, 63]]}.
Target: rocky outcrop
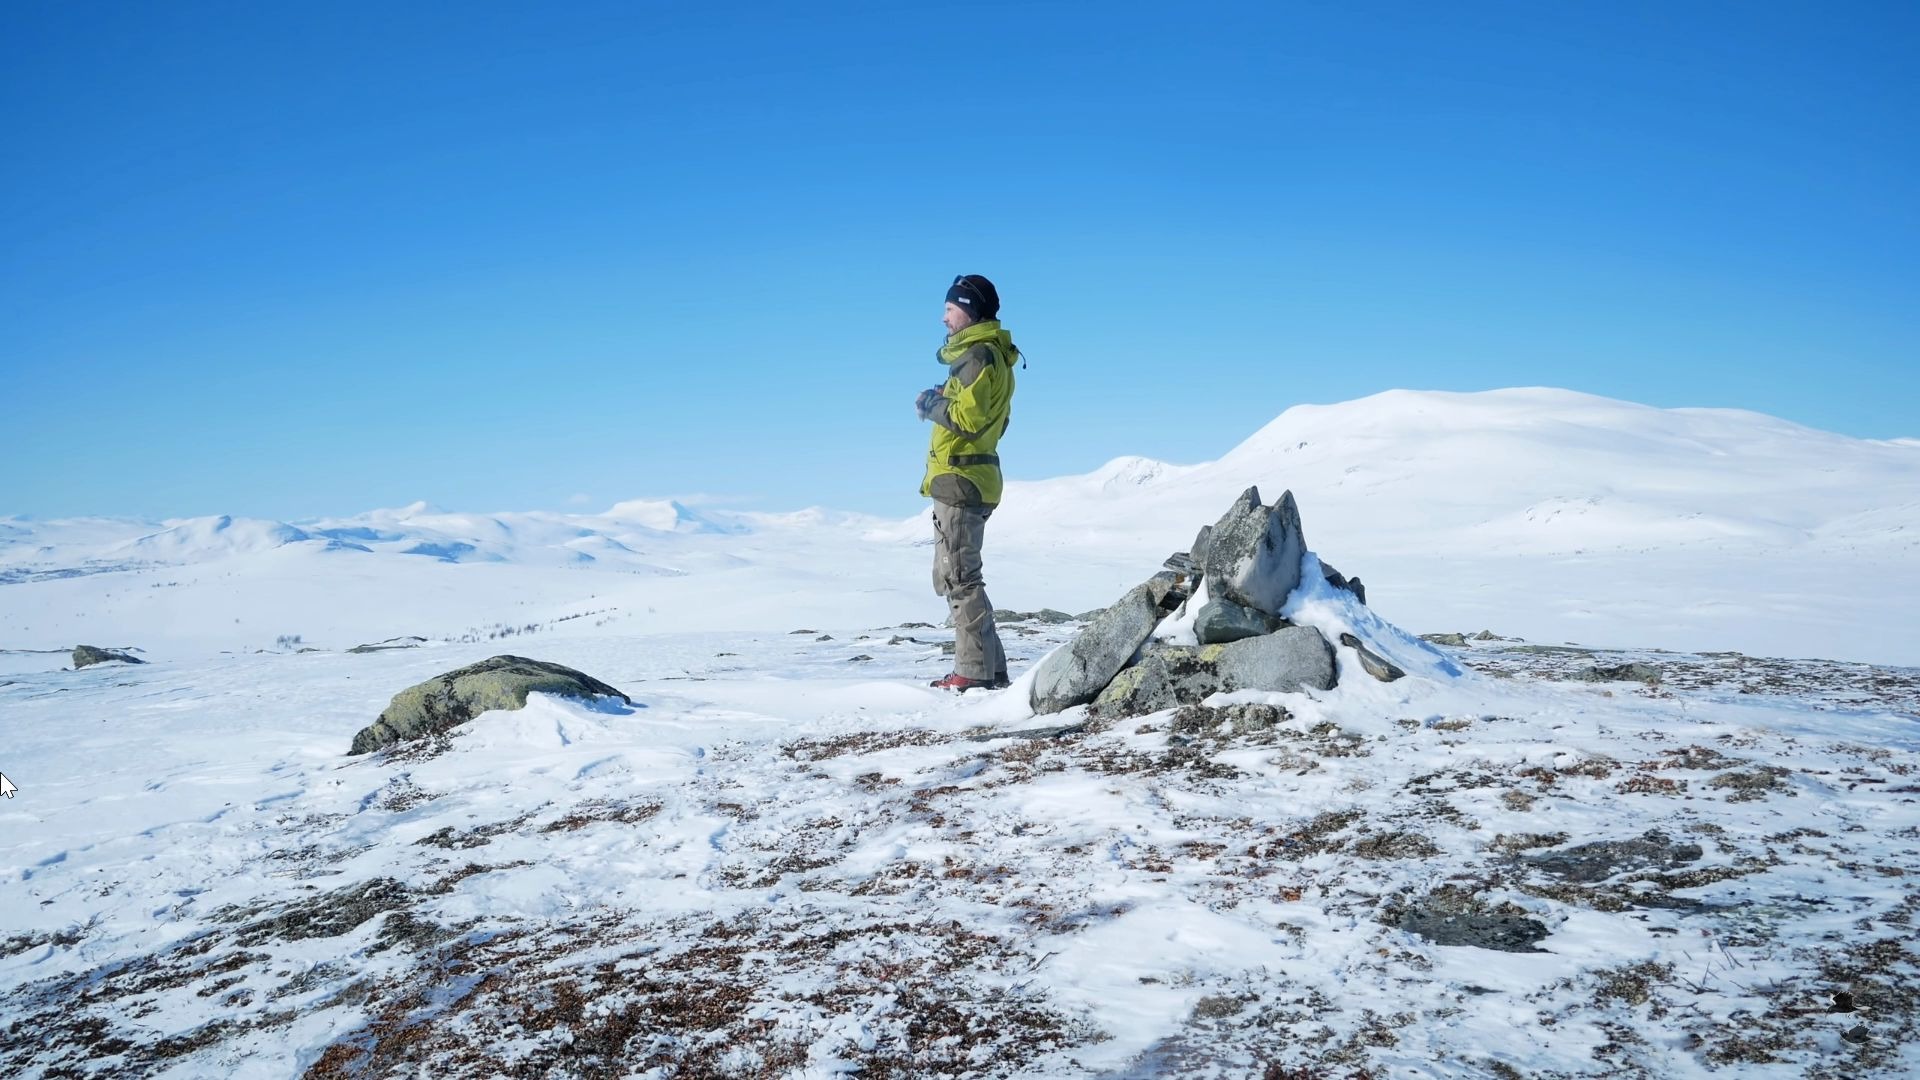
{"points": [[89, 655], [445, 701], [1629, 672], [1460, 641]]}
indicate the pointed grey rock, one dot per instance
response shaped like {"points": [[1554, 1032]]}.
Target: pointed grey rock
{"points": [[1253, 553], [1198, 552]]}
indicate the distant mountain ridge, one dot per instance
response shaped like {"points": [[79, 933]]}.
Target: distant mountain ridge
{"points": [[623, 536], [1517, 471]]}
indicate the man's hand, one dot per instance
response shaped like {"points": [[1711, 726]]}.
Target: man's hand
{"points": [[923, 405]]}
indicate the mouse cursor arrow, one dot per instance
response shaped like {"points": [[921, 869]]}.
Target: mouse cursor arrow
{"points": [[6, 786]]}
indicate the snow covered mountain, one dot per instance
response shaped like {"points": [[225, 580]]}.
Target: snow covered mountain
{"points": [[1555, 515], [1538, 512], [1528, 471]]}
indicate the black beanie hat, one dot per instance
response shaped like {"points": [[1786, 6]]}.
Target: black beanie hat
{"points": [[976, 296]]}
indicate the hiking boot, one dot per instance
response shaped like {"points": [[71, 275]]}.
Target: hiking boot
{"points": [[1000, 681], [960, 684]]}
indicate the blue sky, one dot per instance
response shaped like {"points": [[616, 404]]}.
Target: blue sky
{"points": [[287, 263]]}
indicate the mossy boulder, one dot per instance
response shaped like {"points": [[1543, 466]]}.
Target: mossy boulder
{"points": [[445, 701]]}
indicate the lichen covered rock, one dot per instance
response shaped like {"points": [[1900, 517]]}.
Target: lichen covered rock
{"points": [[1074, 673], [1289, 659]]}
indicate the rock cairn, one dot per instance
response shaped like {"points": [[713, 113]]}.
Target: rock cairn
{"points": [[1230, 587]]}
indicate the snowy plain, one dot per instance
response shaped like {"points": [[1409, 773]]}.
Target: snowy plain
{"points": [[789, 857]]}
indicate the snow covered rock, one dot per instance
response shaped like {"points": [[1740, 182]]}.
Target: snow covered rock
{"points": [[1252, 554], [498, 682], [408, 642], [1073, 674], [1289, 659], [89, 655]]}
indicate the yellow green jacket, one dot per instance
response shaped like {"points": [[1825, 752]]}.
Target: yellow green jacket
{"points": [[963, 462]]}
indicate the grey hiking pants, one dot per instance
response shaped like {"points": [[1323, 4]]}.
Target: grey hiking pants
{"points": [[958, 533]]}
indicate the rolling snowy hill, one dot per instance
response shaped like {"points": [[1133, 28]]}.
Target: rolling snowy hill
{"points": [[1543, 513]]}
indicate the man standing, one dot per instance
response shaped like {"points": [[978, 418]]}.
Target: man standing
{"points": [[969, 413]]}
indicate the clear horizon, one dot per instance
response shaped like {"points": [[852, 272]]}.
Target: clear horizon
{"points": [[307, 264], [706, 503]]}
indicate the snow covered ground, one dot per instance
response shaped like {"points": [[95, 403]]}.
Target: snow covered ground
{"points": [[790, 858]]}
